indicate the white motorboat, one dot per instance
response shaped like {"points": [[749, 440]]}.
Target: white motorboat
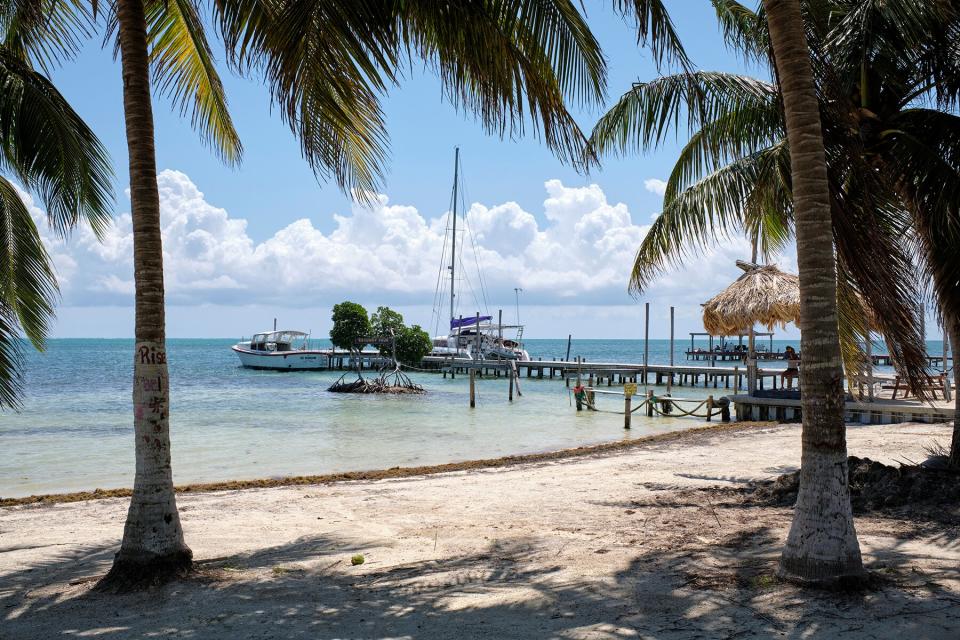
{"points": [[281, 350]]}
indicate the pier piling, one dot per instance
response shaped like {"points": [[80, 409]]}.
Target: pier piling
{"points": [[473, 388]]}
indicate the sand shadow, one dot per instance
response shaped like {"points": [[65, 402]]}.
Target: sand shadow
{"points": [[513, 588]]}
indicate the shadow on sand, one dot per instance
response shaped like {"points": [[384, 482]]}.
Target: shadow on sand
{"points": [[514, 588]]}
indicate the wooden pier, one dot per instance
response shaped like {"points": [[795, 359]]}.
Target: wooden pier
{"points": [[609, 373], [880, 411]]}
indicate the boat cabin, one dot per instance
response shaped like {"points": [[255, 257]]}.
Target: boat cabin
{"points": [[279, 341]]}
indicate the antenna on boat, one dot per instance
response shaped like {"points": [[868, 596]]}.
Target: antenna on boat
{"points": [[453, 246], [274, 324]]}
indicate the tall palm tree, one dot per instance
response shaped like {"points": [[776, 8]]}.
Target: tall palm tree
{"points": [[822, 546], [887, 76], [328, 64], [46, 146], [741, 170]]}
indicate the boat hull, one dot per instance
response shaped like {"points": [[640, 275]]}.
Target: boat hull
{"points": [[305, 360]]}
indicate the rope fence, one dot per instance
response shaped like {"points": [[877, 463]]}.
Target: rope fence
{"points": [[666, 406]]}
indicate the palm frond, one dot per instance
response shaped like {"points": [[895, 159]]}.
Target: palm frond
{"points": [[744, 30], [655, 29], [184, 69], [28, 288], [51, 150], [44, 33], [329, 63], [867, 222], [926, 147], [729, 136], [701, 215], [643, 116]]}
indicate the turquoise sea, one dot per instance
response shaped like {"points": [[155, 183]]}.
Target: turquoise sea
{"points": [[75, 429]]}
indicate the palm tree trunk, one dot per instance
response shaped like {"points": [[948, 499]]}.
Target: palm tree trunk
{"points": [[153, 547], [822, 546]]}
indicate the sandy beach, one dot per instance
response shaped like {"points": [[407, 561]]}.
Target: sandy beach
{"points": [[623, 544]]}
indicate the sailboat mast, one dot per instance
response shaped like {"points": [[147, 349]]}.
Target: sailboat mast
{"points": [[453, 248]]}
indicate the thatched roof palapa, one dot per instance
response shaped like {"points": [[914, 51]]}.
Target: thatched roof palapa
{"points": [[763, 295]]}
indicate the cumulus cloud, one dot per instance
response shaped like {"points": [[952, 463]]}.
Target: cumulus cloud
{"points": [[579, 250], [655, 185]]}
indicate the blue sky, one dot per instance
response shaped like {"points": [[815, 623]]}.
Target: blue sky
{"points": [[280, 200]]}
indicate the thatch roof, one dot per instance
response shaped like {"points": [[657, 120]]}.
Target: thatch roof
{"points": [[763, 295]]}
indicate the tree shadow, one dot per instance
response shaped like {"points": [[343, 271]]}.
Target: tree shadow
{"points": [[518, 587]]}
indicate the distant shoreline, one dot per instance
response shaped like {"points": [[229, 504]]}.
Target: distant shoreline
{"points": [[402, 472]]}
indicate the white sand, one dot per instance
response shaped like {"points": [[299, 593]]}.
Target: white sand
{"points": [[597, 547]]}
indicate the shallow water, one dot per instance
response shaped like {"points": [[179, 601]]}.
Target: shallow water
{"points": [[227, 422]]}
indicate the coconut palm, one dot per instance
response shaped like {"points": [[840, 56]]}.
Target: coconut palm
{"points": [[822, 546], [887, 78], [741, 171], [328, 64], [48, 149]]}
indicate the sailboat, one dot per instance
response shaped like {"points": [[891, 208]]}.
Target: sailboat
{"points": [[473, 336]]}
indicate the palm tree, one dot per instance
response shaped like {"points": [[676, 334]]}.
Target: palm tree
{"points": [[737, 172], [47, 147], [822, 546], [888, 80], [328, 64]]}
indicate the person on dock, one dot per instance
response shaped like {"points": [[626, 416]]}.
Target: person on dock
{"points": [[793, 368]]}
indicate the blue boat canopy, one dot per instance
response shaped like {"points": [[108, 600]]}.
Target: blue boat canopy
{"points": [[457, 323]]}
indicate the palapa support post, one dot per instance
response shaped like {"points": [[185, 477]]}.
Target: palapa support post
{"points": [[713, 357], [709, 408], [510, 384], [947, 395], [570, 339], [473, 387]]}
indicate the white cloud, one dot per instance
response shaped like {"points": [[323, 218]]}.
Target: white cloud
{"points": [[655, 185], [579, 252]]}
